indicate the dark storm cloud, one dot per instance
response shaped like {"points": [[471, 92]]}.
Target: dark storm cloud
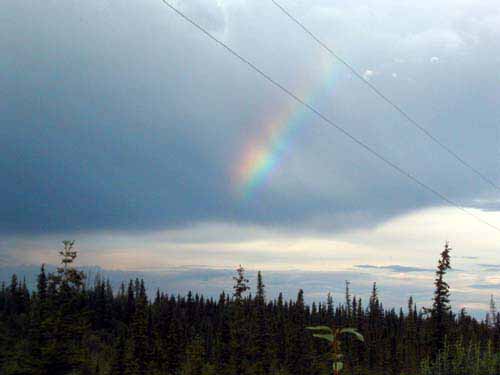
{"points": [[121, 116]]}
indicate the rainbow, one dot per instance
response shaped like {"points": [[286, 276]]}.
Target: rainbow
{"points": [[263, 155]]}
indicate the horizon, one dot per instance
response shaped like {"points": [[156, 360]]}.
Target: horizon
{"points": [[210, 282], [155, 148]]}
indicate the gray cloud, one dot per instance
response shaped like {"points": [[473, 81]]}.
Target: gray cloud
{"points": [[109, 121], [489, 267], [489, 286], [395, 268], [208, 12]]}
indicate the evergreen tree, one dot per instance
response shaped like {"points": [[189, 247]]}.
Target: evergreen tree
{"points": [[440, 311], [42, 285], [62, 350], [194, 364], [138, 343], [240, 284], [491, 316], [239, 326], [261, 295], [374, 330], [64, 327], [260, 350], [118, 358], [348, 302], [298, 362]]}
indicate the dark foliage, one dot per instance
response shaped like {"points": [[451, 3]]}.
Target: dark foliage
{"points": [[65, 328]]}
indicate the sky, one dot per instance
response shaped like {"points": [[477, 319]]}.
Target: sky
{"points": [[125, 128]]}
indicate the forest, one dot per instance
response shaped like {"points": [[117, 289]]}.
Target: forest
{"points": [[70, 326]]}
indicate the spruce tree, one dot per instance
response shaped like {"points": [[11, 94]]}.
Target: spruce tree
{"points": [[63, 350], [260, 349], [373, 330], [138, 331], [298, 360], [194, 364], [491, 316], [239, 326], [118, 357], [261, 294], [440, 311], [240, 284], [42, 285], [348, 302]]}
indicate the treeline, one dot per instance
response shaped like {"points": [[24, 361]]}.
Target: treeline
{"points": [[64, 327]]}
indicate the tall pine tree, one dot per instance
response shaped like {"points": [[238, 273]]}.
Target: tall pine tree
{"points": [[440, 311]]}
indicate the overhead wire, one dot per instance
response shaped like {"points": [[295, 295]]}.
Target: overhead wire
{"points": [[384, 97], [327, 120]]}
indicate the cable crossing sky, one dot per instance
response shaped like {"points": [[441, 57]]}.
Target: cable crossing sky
{"points": [[327, 120], [384, 97]]}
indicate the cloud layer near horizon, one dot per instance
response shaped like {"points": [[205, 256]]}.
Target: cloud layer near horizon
{"points": [[400, 255]]}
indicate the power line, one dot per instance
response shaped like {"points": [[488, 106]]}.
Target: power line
{"points": [[353, 138], [384, 97]]}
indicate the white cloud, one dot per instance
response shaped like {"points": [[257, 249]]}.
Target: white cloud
{"points": [[411, 242], [435, 39], [414, 239]]}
